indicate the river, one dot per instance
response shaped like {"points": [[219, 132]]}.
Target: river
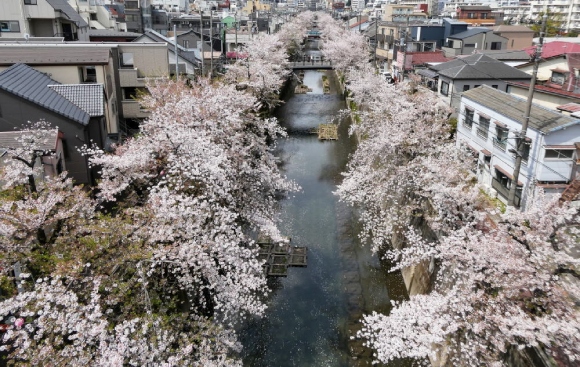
{"points": [[314, 310]]}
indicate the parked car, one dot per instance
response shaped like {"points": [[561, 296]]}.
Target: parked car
{"points": [[387, 76]]}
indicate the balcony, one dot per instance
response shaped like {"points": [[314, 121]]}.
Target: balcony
{"points": [[132, 109], [130, 78]]}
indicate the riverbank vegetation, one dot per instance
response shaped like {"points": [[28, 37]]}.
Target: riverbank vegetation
{"points": [[502, 281], [157, 264]]}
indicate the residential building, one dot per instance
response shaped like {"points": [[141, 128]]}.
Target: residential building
{"points": [[488, 123], [465, 73], [51, 144], [122, 68], [188, 53], [101, 16], [519, 36], [465, 43], [478, 15], [568, 11], [41, 18], [402, 13], [77, 110]]}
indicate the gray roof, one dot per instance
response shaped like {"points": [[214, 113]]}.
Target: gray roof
{"points": [[514, 108], [53, 55], [470, 32], [505, 54], [11, 139], [89, 97], [68, 11], [479, 66], [32, 85], [112, 33]]}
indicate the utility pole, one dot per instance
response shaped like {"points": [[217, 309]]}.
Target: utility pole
{"points": [[376, 39], [201, 36], [521, 141], [176, 54], [211, 43], [404, 41]]}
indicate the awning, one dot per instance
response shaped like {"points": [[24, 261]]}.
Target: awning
{"points": [[428, 73]]}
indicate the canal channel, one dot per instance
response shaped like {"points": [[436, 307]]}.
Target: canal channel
{"points": [[313, 312]]}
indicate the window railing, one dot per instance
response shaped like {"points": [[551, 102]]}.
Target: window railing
{"points": [[499, 144], [482, 133]]}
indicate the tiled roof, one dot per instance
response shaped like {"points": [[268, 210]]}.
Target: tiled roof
{"points": [[89, 97], [469, 33], [555, 48], [421, 58], [514, 108], [32, 85], [53, 55], [548, 89], [479, 66], [505, 54], [68, 10], [569, 107], [10, 139]]}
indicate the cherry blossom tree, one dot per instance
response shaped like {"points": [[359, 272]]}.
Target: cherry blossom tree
{"points": [[161, 266], [346, 49], [502, 283], [262, 69]]}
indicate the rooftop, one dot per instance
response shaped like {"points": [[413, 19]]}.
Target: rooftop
{"points": [[479, 66], [512, 107], [44, 55]]}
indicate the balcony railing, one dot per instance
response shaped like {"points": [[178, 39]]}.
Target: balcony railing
{"points": [[504, 191]]}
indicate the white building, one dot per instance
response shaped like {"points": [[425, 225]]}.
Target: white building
{"points": [[488, 122]]}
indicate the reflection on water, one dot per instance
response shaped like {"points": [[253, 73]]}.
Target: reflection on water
{"points": [[313, 312]]}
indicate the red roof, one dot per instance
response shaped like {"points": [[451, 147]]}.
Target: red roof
{"points": [[547, 89], [555, 48], [420, 58], [569, 107]]}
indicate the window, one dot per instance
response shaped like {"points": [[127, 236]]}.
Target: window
{"points": [[500, 140], [465, 88], [470, 45], [495, 86], [558, 77], [88, 74], [185, 43], [496, 45], [471, 16], [30, 2], [483, 127], [9, 26], [126, 59], [484, 15], [468, 122], [444, 88], [559, 154]]}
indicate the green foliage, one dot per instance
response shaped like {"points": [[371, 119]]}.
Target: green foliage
{"points": [[553, 24], [452, 126], [7, 287]]}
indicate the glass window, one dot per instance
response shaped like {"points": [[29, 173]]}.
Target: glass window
{"points": [[559, 153], [468, 122], [9, 26], [445, 88], [29, 2], [465, 88], [558, 78], [500, 140], [127, 59], [483, 127], [525, 148]]}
